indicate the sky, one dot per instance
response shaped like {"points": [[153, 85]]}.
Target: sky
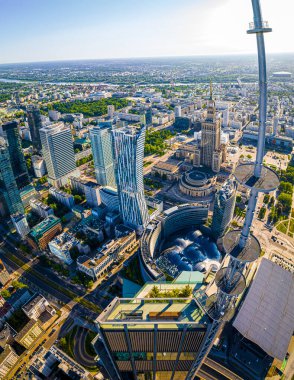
{"points": [[48, 30]]}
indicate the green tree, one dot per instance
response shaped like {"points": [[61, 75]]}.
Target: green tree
{"points": [[5, 294], [286, 201], [286, 187]]}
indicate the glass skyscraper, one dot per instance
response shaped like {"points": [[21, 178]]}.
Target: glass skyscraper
{"points": [[11, 134], [223, 210], [129, 154], [35, 124], [8, 187], [58, 153], [101, 141]]}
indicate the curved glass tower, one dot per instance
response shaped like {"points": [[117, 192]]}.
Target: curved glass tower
{"points": [[129, 154]]}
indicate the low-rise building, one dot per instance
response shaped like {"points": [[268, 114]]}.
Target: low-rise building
{"points": [[29, 334], [36, 306], [62, 197], [166, 169], [4, 275], [19, 298], [39, 166], [8, 359], [41, 208], [21, 225], [44, 232], [108, 253], [69, 366], [27, 193], [61, 245]]}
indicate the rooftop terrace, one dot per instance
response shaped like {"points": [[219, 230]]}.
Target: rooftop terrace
{"points": [[143, 313]]}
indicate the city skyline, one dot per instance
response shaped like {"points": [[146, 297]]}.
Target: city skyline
{"points": [[97, 30]]}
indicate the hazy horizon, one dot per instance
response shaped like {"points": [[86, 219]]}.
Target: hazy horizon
{"points": [[254, 55]]}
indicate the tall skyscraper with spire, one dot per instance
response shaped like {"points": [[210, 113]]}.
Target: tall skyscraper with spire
{"points": [[11, 134], [9, 193], [210, 137], [129, 154]]}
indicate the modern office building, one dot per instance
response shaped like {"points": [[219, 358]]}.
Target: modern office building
{"points": [[9, 192], [109, 198], [102, 148], [148, 117], [92, 194], [223, 210], [129, 154], [178, 111], [11, 134], [211, 137], [58, 152], [110, 111], [21, 225], [35, 124], [44, 232], [153, 338]]}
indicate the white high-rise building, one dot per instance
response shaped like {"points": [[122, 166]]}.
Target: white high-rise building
{"points": [[58, 152], [21, 225], [102, 148], [226, 118], [110, 111], [178, 111], [129, 154]]}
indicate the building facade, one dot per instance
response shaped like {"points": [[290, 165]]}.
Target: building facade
{"points": [[58, 152], [9, 192], [39, 166], [152, 340], [35, 124], [61, 245], [102, 148], [21, 225], [210, 136], [8, 359], [129, 154], [62, 197], [44, 232], [11, 134], [224, 206], [41, 208], [29, 333]]}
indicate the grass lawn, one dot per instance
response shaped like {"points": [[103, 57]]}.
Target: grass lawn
{"points": [[88, 346], [67, 343], [291, 227], [283, 226]]}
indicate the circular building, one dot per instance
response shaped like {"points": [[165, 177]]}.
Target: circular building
{"points": [[173, 243], [196, 184]]}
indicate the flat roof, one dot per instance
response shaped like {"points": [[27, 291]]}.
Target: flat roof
{"points": [[168, 166], [44, 226], [168, 313], [266, 316]]}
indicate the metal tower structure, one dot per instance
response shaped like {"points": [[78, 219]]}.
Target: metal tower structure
{"points": [[241, 246]]}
